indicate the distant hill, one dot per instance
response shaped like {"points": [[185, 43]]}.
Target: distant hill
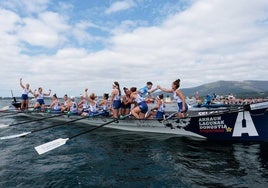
{"points": [[247, 88]]}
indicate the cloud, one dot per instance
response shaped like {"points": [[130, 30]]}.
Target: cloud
{"points": [[205, 42], [120, 6], [45, 31], [28, 7]]}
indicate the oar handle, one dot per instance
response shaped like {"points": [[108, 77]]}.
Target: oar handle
{"points": [[85, 132], [41, 149], [58, 125], [90, 130], [39, 119], [9, 113]]}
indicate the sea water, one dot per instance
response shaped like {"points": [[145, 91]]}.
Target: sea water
{"points": [[114, 158]]}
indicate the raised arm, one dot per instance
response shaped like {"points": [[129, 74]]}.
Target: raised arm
{"points": [[47, 94], [86, 94], [31, 92], [165, 89], [152, 90], [21, 85], [156, 106]]}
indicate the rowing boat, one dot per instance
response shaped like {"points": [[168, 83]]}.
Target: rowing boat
{"points": [[223, 124]]}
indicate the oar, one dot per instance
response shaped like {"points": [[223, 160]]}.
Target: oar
{"points": [[39, 119], [4, 109], [11, 113], [170, 116], [37, 130], [41, 149]]}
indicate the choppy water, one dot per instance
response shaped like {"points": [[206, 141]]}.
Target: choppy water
{"points": [[112, 158]]}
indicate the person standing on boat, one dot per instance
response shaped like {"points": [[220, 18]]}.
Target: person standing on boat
{"points": [[55, 104], [140, 108], [24, 96], [158, 111], [40, 103], [115, 99], [125, 105], [178, 96]]}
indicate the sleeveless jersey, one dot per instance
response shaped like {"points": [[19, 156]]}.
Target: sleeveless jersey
{"points": [[26, 91], [40, 96], [139, 99], [176, 97], [162, 107]]}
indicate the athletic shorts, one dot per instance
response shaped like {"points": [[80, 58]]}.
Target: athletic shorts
{"points": [[24, 97], [159, 115], [180, 107], [41, 101], [124, 106], [116, 104], [143, 107]]}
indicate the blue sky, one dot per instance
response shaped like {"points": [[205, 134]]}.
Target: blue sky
{"points": [[70, 45]]}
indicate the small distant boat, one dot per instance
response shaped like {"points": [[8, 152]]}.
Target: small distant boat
{"points": [[244, 123]]}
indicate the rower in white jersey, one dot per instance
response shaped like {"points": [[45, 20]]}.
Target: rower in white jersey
{"points": [[83, 104], [158, 111], [40, 103], [139, 110], [92, 104], [178, 97], [65, 104], [115, 99], [55, 104], [24, 96], [73, 107], [104, 105]]}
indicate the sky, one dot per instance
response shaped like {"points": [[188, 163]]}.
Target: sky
{"points": [[70, 45]]}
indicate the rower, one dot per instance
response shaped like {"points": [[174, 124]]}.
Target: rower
{"points": [[104, 105], [73, 107], [40, 103], [158, 111], [55, 104], [24, 96], [139, 110]]}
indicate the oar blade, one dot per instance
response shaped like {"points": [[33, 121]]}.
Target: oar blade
{"points": [[4, 108], [3, 125], [41, 149], [14, 136]]}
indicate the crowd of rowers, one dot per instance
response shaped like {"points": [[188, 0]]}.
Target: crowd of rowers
{"points": [[131, 102]]}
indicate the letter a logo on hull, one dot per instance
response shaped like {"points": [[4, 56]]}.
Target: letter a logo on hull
{"points": [[249, 127]]}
